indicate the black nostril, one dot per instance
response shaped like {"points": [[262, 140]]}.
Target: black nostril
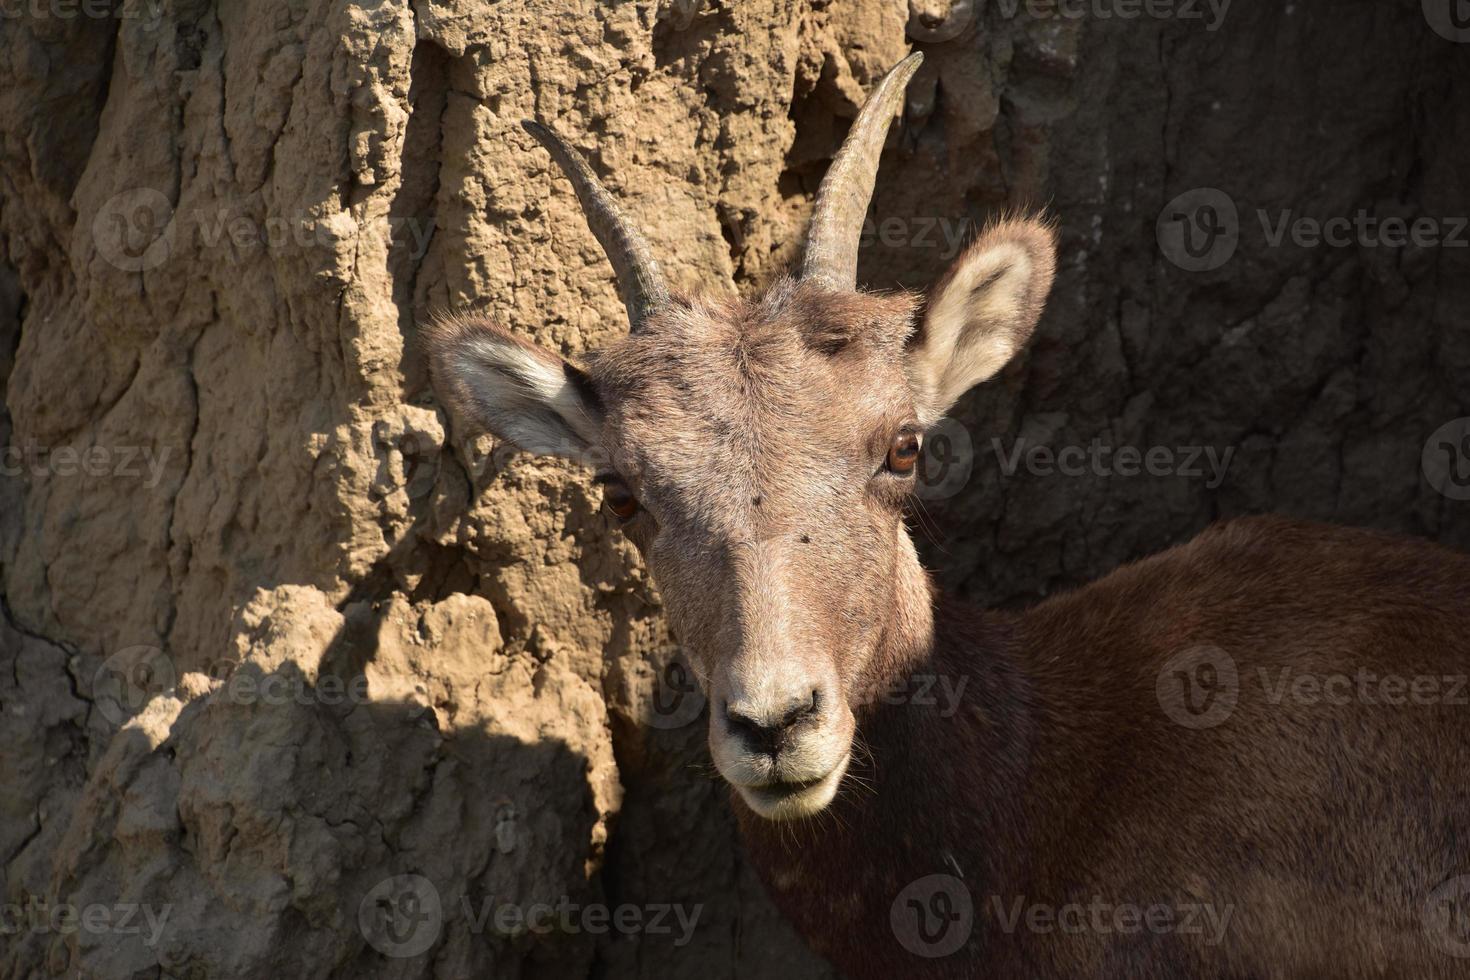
{"points": [[771, 738], [799, 711]]}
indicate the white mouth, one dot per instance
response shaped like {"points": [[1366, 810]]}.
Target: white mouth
{"points": [[792, 801]]}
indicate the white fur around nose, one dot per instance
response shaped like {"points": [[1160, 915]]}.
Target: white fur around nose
{"points": [[770, 670], [776, 664]]}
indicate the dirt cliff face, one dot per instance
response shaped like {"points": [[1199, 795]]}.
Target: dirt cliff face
{"points": [[299, 679]]}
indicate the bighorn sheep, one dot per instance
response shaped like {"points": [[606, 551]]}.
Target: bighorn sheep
{"points": [[1073, 818]]}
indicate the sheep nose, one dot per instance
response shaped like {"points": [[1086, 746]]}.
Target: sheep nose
{"points": [[765, 729]]}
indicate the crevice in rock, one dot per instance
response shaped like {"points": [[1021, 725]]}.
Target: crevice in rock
{"points": [[13, 302], [192, 377], [413, 214]]}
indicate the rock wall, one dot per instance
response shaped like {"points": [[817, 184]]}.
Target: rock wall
{"points": [[298, 681]]}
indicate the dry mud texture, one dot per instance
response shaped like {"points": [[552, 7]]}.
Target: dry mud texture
{"points": [[219, 227]]}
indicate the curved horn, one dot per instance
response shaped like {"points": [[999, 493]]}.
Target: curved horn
{"points": [[640, 283], [842, 200]]}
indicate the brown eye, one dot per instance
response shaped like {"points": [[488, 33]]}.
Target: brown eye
{"points": [[904, 453], [618, 499]]}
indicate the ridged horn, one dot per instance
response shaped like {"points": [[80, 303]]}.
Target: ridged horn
{"points": [[842, 200], [640, 283]]}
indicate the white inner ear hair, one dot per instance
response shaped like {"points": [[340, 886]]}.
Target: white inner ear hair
{"points": [[527, 399], [971, 326]]}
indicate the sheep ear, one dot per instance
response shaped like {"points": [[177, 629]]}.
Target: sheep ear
{"points": [[981, 313], [517, 390]]}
